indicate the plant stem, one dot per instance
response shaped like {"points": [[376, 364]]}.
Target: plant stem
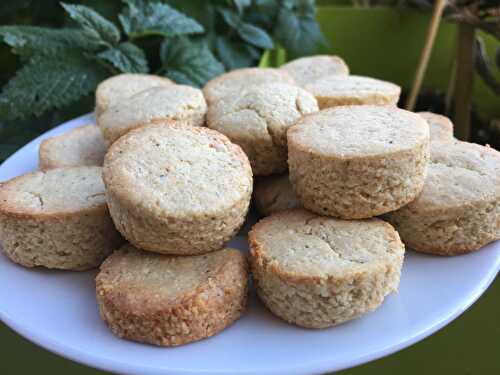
{"points": [[463, 80], [426, 53]]}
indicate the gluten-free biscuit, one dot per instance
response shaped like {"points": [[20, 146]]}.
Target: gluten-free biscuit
{"points": [[171, 300], [306, 70], [232, 83], [360, 161], [172, 103], [258, 118], [77, 147], [458, 210], [177, 189], [57, 219], [316, 271], [440, 127], [338, 90], [122, 86]]}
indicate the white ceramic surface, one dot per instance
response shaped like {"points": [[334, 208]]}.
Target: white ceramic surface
{"points": [[58, 311]]}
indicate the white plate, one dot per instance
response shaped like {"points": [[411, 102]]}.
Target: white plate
{"points": [[58, 311]]}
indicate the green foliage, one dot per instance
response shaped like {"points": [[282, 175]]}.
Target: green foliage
{"points": [[45, 83], [189, 41], [93, 25], [189, 61], [126, 58], [142, 18]]}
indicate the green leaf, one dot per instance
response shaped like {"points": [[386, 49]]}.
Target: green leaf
{"points": [[234, 54], [29, 40], [241, 5], [143, 18], [248, 32], [126, 57], [255, 35], [45, 83], [297, 28], [232, 19], [189, 61], [94, 25]]}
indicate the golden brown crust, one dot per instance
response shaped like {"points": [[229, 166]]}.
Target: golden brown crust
{"points": [[329, 293], [196, 314]]}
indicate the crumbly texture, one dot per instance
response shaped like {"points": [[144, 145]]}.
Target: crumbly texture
{"points": [[172, 103], [176, 189], [458, 210], [57, 219], [440, 127], [273, 194], [169, 300], [78, 147], [232, 83], [316, 271], [356, 162], [338, 90], [258, 118], [311, 68], [114, 90]]}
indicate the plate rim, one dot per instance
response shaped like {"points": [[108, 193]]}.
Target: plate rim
{"points": [[113, 365]]}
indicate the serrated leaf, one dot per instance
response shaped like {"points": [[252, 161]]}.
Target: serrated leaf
{"points": [[45, 83], [126, 57], [297, 30], [94, 25], [189, 61], [255, 35], [234, 54], [142, 18], [29, 40]]}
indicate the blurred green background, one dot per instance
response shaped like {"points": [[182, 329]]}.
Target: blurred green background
{"points": [[384, 43]]}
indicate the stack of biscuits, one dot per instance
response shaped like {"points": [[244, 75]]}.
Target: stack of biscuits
{"points": [[153, 193]]}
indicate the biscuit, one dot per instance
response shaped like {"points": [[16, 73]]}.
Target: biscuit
{"points": [[355, 162], [458, 210], [273, 194], [440, 127], [172, 103], [57, 219], [337, 90], [177, 189], [234, 82], [169, 300], [311, 68], [316, 271], [114, 90], [77, 147], [257, 120]]}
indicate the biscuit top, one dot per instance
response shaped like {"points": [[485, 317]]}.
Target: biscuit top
{"points": [[440, 127], [177, 170], [81, 146], [359, 131], [151, 279], [265, 110], [235, 81], [176, 102], [55, 191], [117, 88], [302, 243], [352, 87], [308, 69], [459, 173]]}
